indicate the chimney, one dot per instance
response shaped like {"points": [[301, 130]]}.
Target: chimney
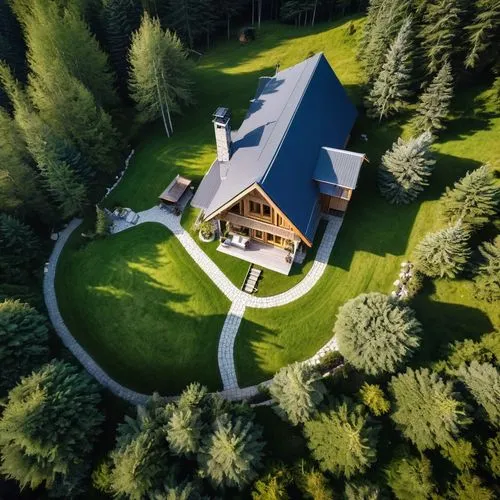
{"points": [[222, 126]]}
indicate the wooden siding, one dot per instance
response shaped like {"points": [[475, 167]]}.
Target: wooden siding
{"points": [[333, 203]]}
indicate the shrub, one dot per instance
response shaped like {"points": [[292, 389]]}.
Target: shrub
{"points": [[376, 334], [102, 223], [207, 229]]}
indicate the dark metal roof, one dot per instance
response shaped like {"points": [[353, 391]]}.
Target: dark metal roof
{"points": [[298, 111], [339, 167]]}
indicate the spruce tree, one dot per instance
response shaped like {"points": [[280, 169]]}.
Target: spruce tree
{"points": [[493, 455], [23, 342], [462, 454], [441, 34], [374, 398], [376, 334], [120, 19], [427, 410], [434, 102], [483, 34], [297, 393], [342, 439], [405, 169], [184, 431], [444, 253], [232, 453], [160, 81], [392, 87], [483, 382], [469, 486], [411, 477], [474, 199], [314, 484], [273, 486], [362, 490], [487, 280], [48, 428]]}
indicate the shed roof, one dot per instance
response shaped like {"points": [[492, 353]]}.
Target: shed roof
{"points": [[175, 189], [339, 167]]}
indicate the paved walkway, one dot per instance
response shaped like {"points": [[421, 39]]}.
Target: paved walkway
{"points": [[240, 300]]}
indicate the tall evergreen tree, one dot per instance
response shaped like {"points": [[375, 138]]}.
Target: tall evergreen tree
{"points": [[468, 486], [314, 484], [474, 199], [376, 334], [187, 17], [483, 381], [483, 33], [184, 431], [442, 34], [405, 169], [232, 454], [160, 81], [392, 86], [120, 19], [342, 439], [374, 398], [23, 342], [493, 455], [434, 102], [487, 280], [443, 253], [427, 410], [362, 490], [297, 393], [48, 429], [228, 9]]}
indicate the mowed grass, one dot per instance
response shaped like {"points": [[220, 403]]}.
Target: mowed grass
{"points": [[375, 238], [141, 307]]}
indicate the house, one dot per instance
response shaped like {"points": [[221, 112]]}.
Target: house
{"points": [[284, 167]]}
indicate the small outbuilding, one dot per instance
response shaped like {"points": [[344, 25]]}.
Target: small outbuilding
{"points": [[174, 191]]}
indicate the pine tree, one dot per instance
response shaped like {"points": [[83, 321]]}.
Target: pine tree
{"points": [[160, 81], [362, 490], [468, 486], [405, 169], [187, 17], [483, 382], [462, 454], [493, 455], [120, 19], [392, 87], [410, 477], [427, 410], [297, 393], [487, 280], [342, 439], [374, 398], [184, 431], [443, 253], [23, 342], [314, 484], [48, 429], [229, 9], [434, 102], [231, 455], [376, 334], [483, 33], [20, 254], [474, 199], [441, 34], [273, 486]]}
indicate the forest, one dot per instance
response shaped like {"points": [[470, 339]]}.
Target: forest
{"points": [[81, 84]]}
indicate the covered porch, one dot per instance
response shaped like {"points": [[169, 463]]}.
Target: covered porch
{"points": [[262, 255]]}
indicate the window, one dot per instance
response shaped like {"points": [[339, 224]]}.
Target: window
{"points": [[254, 207], [270, 237], [266, 211], [258, 234], [277, 240]]}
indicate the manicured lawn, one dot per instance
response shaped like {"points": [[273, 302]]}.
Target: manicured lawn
{"points": [[140, 305]]}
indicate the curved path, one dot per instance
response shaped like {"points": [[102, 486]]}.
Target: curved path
{"points": [[240, 300]]}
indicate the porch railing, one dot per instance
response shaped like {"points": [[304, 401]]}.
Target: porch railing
{"points": [[240, 220]]}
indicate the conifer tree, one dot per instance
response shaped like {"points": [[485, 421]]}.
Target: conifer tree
{"points": [[441, 34], [483, 33], [187, 17], [184, 431], [362, 490], [232, 454], [462, 454], [342, 439], [487, 280], [444, 253], [120, 19], [392, 86], [469, 486], [297, 393], [374, 398], [376, 334], [406, 168], [474, 199], [411, 477], [160, 81], [434, 102], [23, 342], [483, 382], [314, 484], [427, 410], [273, 486], [493, 454], [48, 429]]}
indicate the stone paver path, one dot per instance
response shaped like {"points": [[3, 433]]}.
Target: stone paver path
{"points": [[240, 300]]}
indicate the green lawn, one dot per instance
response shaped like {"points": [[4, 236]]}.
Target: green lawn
{"points": [[140, 305]]}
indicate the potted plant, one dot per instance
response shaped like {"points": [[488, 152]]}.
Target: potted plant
{"points": [[206, 232]]}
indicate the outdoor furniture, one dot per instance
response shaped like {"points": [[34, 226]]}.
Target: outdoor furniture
{"points": [[240, 241]]}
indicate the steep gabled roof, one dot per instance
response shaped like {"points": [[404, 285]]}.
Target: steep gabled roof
{"points": [[292, 116]]}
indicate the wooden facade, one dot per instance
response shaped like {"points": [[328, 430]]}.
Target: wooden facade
{"points": [[338, 203]]}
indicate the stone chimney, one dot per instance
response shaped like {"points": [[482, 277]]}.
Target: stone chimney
{"points": [[222, 126]]}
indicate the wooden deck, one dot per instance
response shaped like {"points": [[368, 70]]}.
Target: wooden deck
{"points": [[261, 255]]}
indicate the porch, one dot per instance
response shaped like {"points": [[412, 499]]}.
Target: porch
{"points": [[260, 254]]}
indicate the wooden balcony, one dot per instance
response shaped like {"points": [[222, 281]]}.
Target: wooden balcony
{"points": [[240, 220]]}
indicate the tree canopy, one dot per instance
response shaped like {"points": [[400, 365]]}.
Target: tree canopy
{"points": [[487, 280]]}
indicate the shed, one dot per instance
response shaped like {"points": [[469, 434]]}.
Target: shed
{"points": [[174, 191]]}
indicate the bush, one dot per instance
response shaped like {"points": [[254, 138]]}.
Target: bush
{"points": [[207, 230], [376, 334], [102, 223]]}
